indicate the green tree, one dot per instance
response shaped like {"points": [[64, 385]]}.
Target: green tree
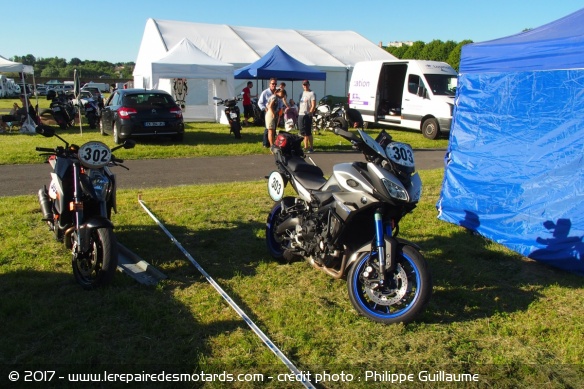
{"points": [[414, 51], [50, 71], [454, 56], [398, 52]]}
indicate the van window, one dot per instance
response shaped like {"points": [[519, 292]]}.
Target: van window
{"points": [[413, 83], [442, 84]]}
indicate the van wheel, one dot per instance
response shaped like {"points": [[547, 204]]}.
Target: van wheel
{"points": [[430, 128]]}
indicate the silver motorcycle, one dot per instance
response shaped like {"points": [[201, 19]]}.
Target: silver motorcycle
{"points": [[348, 225]]}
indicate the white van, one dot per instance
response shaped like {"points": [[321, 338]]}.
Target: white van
{"points": [[103, 87], [405, 93]]}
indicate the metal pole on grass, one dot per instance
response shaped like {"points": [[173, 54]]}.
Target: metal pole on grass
{"points": [[230, 301]]}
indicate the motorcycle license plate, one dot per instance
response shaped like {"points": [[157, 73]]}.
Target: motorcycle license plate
{"points": [[276, 185], [233, 115], [154, 124]]}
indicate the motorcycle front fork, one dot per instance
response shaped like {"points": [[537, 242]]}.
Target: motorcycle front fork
{"points": [[386, 254]]}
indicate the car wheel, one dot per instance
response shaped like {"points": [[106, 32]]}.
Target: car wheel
{"points": [[117, 139], [100, 125]]}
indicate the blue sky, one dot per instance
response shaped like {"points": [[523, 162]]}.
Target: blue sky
{"points": [[111, 31]]}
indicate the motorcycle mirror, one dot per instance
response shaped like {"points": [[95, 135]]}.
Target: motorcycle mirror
{"points": [[128, 144], [44, 130]]}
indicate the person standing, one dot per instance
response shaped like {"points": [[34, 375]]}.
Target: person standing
{"points": [[306, 108], [247, 107], [263, 101], [272, 108]]}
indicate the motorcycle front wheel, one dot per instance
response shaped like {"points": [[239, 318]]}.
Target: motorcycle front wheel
{"points": [[276, 242], [98, 266], [406, 291]]}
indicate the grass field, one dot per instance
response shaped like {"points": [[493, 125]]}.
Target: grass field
{"points": [[201, 139], [512, 321]]}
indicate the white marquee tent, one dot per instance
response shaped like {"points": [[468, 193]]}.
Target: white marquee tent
{"points": [[334, 52], [185, 61]]}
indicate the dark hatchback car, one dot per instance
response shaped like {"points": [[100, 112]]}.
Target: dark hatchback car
{"points": [[130, 113]]}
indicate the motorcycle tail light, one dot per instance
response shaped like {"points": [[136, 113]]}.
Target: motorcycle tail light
{"points": [[125, 112]]}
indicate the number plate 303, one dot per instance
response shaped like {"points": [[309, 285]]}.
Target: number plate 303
{"points": [[276, 185]]}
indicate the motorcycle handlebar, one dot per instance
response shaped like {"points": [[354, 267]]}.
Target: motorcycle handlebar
{"points": [[44, 149]]}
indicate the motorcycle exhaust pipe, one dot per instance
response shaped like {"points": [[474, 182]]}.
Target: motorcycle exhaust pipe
{"points": [[46, 205], [287, 225]]}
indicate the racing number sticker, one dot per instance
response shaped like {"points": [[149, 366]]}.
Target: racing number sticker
{"points": [[400, 153], [276, 186]]}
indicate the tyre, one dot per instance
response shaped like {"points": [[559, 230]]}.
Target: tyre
{"points": [[97, 267], [405, 295], [116, 131], [92, 120], [100, 125], [277, 243], [338, 122], [430, 128]]}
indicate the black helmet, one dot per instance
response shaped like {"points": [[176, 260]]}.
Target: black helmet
{"points": [[51, 94]]}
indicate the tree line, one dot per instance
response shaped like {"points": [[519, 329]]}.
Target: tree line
{"points": [[435, 50], [60, 68]]}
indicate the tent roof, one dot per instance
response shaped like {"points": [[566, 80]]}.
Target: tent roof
{"points": [[556, 45], [16, 67], [278, 63], [244, 45], [185, 60]]}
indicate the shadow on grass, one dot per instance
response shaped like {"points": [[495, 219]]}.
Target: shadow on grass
{"points": [[474, 278], [48, 319]]}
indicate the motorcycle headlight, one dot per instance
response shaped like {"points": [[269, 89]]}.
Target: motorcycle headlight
{"points": [[101, 185], [395, 191]]}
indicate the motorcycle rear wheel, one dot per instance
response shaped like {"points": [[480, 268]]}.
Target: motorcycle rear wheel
{"points": [[98, 267], [407, 292], [276, 242]]}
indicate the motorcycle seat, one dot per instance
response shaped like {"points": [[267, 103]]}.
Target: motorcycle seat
{"points": [[310, 176]]}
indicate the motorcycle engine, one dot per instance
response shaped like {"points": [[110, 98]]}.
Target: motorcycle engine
{"points": [[315, 234]]}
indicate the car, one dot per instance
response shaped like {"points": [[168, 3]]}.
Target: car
{"points": [[130, 113], [41, 90]]}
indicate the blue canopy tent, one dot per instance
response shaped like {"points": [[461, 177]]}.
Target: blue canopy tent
{"points": [[278, 63], [514, 170]]}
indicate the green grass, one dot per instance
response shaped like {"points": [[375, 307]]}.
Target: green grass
{"points": [[201, 139], [515, 322]]}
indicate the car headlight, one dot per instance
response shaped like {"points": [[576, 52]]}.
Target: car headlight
{"points": [[395, 191]]}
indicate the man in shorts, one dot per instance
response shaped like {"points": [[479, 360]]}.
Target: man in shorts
{"points": [[306, 108]]}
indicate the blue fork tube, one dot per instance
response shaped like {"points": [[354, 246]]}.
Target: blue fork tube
{"points": [[380, 243]]}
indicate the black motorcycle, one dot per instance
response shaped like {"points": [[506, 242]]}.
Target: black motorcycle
{"points": [[92, 111], [347, 225], [259, 116], [232, 113], [61, 109], [77, 205]]}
